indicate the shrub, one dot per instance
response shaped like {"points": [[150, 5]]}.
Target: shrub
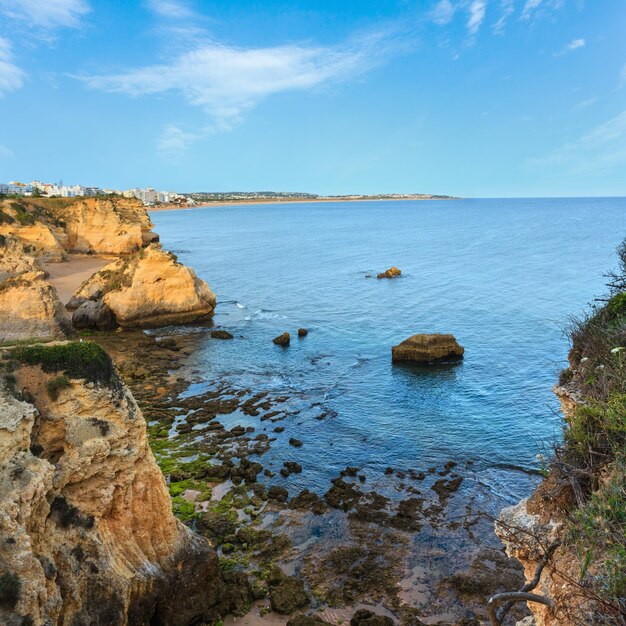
{"points": [[54, 385], [10, 586], [78, 359]]}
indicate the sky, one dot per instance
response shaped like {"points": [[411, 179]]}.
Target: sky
{"points": [[476, 98]]}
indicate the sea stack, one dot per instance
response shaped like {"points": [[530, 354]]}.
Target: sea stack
{"points": [[425, 348]]}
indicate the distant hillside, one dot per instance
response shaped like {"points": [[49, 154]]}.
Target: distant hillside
{"points": [[289, 196]]}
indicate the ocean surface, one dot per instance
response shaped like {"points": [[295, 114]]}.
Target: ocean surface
{"points": [[502, 275]]}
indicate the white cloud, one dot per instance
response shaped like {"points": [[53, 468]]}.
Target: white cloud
{"points": [[47, 14], [443, 12], [227, 81], [575, 44], [507, 7], [598, 151], [11, 76], [171, 9], [476, 16], [529, 7]]}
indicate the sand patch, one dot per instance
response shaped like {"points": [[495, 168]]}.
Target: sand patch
{"points": [[68, 276]]}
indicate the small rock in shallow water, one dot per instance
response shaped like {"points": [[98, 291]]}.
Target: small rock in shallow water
{"points": [[280, 494], [282, 340], [302, 332], [296, 443], [221, 334]]}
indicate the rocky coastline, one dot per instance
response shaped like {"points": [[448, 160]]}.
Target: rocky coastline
{"points": [[129, 497]]}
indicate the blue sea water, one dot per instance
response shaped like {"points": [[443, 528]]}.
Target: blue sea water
{"points": [[502, 275]]}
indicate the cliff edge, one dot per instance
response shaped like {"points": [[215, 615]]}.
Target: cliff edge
{"points": [[88, 534], [570, 535]]}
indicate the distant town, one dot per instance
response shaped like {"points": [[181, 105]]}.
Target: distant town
{"points": [[153, 198], [36, 188]]}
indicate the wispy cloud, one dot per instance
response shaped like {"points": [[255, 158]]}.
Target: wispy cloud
{"points": [[46, 14], [443, 12], [530, 7], [171, 9], [227, 81], [599, 151], [11, 76], [477, 10], [575, 44], [507, 7]]}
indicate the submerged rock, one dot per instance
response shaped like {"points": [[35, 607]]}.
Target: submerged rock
{"points": [[302, 332], [221, 334], [428, 349], [392, 272], [282, 340]]}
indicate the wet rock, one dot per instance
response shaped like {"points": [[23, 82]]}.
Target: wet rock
{"points": [[342, 495], [445, 488], [435, 348], [389, 471], [279, 429], [288, 596], [280, 494], [282, 340], [302, 332], [392, 272], [237, 597], [307, 620], [349, 471], [293, 467], [363, 617], [221, 334], [296, 443], [308, 501], [216, 525]]}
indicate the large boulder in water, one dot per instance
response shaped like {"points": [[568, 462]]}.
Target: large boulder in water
{"points": [[433, 348], [392, 272]]}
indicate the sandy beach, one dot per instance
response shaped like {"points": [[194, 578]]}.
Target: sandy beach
{"points": [[201, 205], [67, 277]]}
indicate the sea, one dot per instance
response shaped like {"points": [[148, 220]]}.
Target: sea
{"points": [[504, 276]]}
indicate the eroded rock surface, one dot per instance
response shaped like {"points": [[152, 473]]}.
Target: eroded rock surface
{"points": [[428, 349], [149, 288], [29, 307], [85, 516]]}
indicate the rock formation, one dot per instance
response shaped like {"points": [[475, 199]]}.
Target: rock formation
{"points": [[88, 534], [55, 226], [282, 340], [392, 272], [29, 307], [149, 288], [428, 349]]}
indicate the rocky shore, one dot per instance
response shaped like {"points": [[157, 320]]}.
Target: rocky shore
{"points": [[133, 494]]}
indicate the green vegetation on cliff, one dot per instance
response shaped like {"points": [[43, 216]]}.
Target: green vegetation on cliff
{"points": [[77, 359], [592, 458]]}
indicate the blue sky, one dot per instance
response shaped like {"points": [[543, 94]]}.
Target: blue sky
{"points": [[465, 97]]}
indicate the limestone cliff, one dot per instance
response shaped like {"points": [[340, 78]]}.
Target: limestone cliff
{"points": [[88, 534], [55, 226], [149, 288], [29, 307]]}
